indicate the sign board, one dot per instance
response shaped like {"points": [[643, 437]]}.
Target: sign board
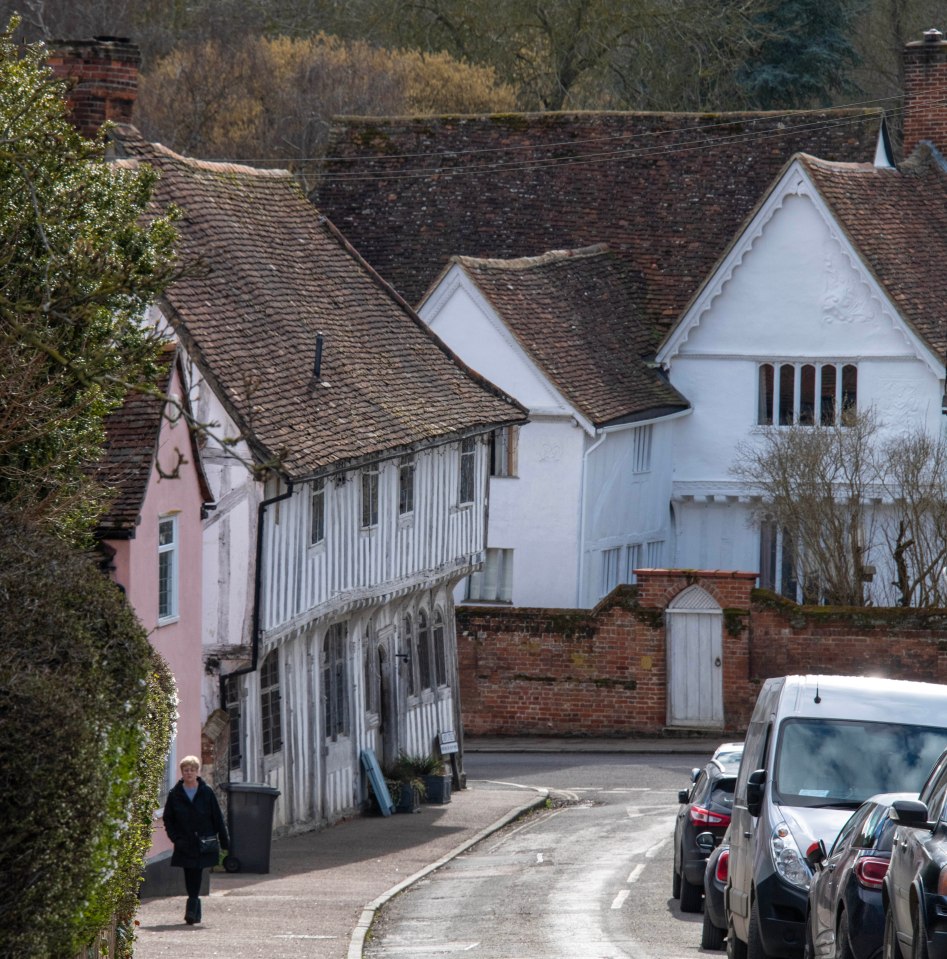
{"points": [[377, 780], [448, 743]]}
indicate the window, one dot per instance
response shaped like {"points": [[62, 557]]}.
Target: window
{"points": [[440, 650], [231, 690], [370, 497], [335, 681], [371, 674], [805, 394], [407, 644], [406, 485], [167, 567], [641, 449], [778, 562], [317, 524], [468, 470], [423, 647], [270, 705], [503, 447], [620, 562], [494, 583]]}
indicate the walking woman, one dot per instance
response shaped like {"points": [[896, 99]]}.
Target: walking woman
{"points": [[195, 824]]}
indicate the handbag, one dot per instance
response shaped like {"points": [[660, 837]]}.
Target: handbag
{"points": [[209, 845]]}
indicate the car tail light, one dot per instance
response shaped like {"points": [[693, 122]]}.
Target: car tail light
{"points": [[870, 871], [723, 867], [702, 816]]}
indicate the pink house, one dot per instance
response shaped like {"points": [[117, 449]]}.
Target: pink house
{"points": [[151, 535]]}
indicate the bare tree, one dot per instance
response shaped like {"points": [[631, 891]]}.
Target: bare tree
{"points": [[818, 484]]}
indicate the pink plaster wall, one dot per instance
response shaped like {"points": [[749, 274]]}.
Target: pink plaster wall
{"points": [[136, 569]]}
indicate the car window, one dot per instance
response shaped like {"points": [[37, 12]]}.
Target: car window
{"points": [[872, 827], [699, 789], [721, 792], [824, 762], [754, 753], [933, 791], [852, 825]]}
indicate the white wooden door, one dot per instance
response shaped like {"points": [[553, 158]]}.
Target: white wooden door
{"points": [[695, 659]]}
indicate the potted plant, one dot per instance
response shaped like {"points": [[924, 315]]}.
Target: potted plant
{"points": [[437, 781], [406, 786]]}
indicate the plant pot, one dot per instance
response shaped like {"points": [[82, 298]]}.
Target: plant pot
{"points": [[409, 799], [437, 788]]}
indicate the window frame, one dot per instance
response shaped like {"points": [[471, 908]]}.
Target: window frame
{"points": [[271, 699], [317, 516], [233, 707], [467, 468], [335, 679], [172, 612], [439, 640], [504, 452], [805, 392], [406, 474], [369, 483]]}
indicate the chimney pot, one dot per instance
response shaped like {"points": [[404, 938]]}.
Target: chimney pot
{"points": [[933, 35]]}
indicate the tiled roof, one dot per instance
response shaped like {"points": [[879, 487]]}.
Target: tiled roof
{"points": [[131, 440], [665, 191], [272, 273], [573, 312], [897, 221]]}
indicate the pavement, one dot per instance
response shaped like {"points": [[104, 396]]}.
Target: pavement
{"points": [[325, 886]]}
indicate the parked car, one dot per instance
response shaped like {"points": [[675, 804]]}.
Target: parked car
{"points": [[915, 887], [816, 748], [714, 930], [705, 807], [846, 916]]}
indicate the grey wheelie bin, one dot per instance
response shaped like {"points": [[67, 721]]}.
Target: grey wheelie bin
{"points": [[250, 822]]}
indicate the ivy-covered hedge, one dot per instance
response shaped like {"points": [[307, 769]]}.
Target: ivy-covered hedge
{"points": [[85, 713]]}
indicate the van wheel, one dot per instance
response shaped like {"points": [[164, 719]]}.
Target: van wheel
{"points": [[711, 936], [919, 945], [736, 948], [754, 941], [691, 896]]}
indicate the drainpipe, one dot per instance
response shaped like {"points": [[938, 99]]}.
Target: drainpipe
{"points": [[256, 629]]}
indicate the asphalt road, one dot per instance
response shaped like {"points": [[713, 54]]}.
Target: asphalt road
{"points": [[587, 878]]}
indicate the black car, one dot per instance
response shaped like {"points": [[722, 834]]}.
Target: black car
{"points": [[714, 930], [705, 807], [846, 917], [915, 887]]}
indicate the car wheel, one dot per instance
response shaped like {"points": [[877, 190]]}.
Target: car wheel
{"points": [[711, 936], [691, 896], [676, 884], [919, 938], [889, 944], [754, 942], [843, 943]]}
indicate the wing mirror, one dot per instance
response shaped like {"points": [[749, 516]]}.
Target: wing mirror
{"points": [[910, 812], [755, 784], [816, 855], [705, 842], [683, 795], [695, 772]]}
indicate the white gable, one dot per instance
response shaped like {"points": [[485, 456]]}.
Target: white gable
{"points": [[458, 313], [792, 286]]}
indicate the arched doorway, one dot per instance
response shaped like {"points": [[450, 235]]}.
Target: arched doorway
{"points": [[694, 622]]}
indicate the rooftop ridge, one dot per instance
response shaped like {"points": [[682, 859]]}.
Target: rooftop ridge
{"points": [[529, 262]]}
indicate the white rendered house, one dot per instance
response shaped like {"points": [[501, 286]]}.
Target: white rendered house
{"points": [[579, 496]]}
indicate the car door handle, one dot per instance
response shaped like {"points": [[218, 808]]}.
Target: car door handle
{"points": [[748, 835]]}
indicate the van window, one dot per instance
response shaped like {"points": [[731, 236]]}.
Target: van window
{"points": [[834, 762], [754, 756]]}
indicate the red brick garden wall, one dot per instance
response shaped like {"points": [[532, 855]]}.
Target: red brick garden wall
{"points": [[602, 672]]}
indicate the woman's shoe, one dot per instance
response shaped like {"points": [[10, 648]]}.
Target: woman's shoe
{"points": [[197, 911], [192, 910]]}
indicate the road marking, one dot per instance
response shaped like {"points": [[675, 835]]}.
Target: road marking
{"points": [[293, 935], [619, 900], [654, 850], [636, 872], [539, 857]]}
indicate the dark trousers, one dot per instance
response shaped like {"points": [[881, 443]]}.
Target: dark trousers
{"points": [[192, 882]]}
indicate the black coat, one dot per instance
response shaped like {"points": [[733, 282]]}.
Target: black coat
{"points": [[186, 820]]}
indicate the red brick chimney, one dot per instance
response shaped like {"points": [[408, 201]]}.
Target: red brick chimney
{"points": [[925, 92], [104, 75]]}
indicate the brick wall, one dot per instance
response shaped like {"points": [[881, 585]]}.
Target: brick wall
{"points": [[603, 672]]}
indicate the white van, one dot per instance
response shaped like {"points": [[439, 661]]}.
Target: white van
{"points": [[816, 747]]}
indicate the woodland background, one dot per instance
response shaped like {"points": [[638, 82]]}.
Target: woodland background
{"points": [[259, 80]]}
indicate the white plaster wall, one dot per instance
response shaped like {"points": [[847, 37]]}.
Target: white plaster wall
{"points": [[536, 514], [795, 296]]}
